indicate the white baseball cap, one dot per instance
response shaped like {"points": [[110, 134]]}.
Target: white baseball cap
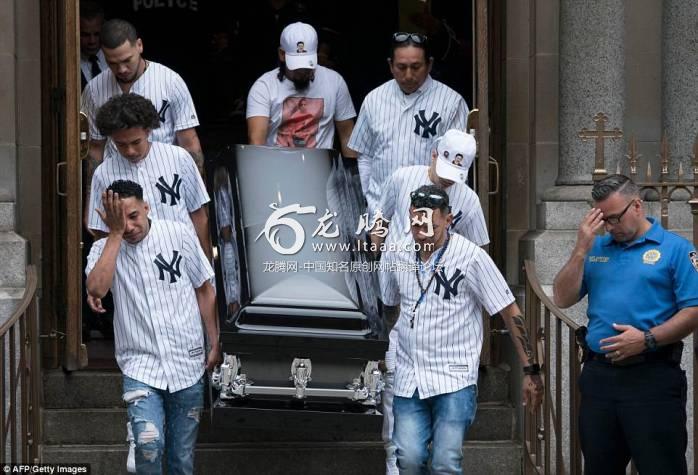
{"points": [[299, 42], [456, 152]]}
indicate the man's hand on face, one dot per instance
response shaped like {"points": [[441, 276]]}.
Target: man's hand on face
{"points": [[113, 214], [588, 228]]}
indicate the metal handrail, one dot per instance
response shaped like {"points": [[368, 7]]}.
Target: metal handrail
{"points": [[550, 327], [19, 350]]}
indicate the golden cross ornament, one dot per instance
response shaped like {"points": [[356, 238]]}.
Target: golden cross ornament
{"points": [[600, 134]]}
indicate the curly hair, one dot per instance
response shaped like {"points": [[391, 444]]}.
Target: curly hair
{"points": [[127, 189], [125, 112]]}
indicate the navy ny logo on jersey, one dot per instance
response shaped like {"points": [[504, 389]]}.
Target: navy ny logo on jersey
{"points": [[169, 190], [426, 127], [171, 267], [458, 216], [163, 109], [449, 284]]}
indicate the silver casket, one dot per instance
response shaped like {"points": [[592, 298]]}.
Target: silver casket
{"points": [[300, 326]]}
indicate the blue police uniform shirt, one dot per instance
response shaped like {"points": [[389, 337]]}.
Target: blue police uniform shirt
{"points": [[643, 283]]}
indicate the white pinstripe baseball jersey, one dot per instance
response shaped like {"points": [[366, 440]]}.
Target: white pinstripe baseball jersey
{"points": [[468, 220], [301, 118], [396, 130], [171, 183], [162, 86], [158, 332], [440, 351]]}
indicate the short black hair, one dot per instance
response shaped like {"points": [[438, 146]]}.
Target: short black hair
{"points": [[614, 183], [116, 31], [126, 111], [127, 189], [434, 190], [424, 46], [90, 9]]}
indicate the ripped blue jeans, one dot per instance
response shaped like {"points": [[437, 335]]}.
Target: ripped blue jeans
{"points": [[164, 423]]}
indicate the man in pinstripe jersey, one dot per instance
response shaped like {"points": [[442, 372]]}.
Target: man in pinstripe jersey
{"points": [[441, 288], [451, 159], [159, 276], [166, 172], [130, 72], [400, 119]]}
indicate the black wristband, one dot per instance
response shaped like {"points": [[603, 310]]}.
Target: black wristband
{"points": [[532, 370]]}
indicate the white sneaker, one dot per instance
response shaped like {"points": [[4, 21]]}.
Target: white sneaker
{"points": [[131, 459]]}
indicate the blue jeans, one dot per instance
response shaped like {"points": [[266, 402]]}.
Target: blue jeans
{"points": [[442, 420], [164, 422], [388, 424]]}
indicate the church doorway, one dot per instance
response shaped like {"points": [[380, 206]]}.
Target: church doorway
{"points": [[221, 47]]}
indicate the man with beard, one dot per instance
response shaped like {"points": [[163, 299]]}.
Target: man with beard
{"points": [[130, 72], [300, 103]]}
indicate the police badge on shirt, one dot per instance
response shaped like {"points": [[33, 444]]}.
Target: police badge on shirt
{"points": [[693, 256]]}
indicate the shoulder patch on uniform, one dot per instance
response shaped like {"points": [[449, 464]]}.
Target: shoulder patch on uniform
{"points": [[651, 257], [693, 256]]}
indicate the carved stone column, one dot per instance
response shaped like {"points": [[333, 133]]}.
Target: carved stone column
{"points": [[679, 73], [592, 80]]}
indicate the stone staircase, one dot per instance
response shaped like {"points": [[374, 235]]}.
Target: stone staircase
{"points": [[13, 256], [84, 421]]}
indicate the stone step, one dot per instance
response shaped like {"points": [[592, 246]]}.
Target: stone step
{"points": [[13, 255], [108, 426], [102, 389], [294, 458], [7, 216]]}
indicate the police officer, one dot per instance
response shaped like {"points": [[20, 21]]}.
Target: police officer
{"points": [[642, 284]]}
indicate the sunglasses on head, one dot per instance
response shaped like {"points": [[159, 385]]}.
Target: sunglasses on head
{"points": [[419, 199], [403, 37]]}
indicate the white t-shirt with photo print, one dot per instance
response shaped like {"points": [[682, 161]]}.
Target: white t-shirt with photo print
{"points": [[301, 118]]}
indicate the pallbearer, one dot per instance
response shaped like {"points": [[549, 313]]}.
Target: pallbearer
{"points": [[159, 276], [442, 287]]}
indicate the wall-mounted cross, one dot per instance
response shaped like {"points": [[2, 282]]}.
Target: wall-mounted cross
{"points": [[600, 134]]}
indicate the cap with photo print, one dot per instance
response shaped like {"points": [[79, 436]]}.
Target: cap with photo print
{"points": [[299, 42], [456, 152]]}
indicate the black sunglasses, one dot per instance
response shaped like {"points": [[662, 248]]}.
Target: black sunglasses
{"points": [[420, 199], [403, 37]]}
